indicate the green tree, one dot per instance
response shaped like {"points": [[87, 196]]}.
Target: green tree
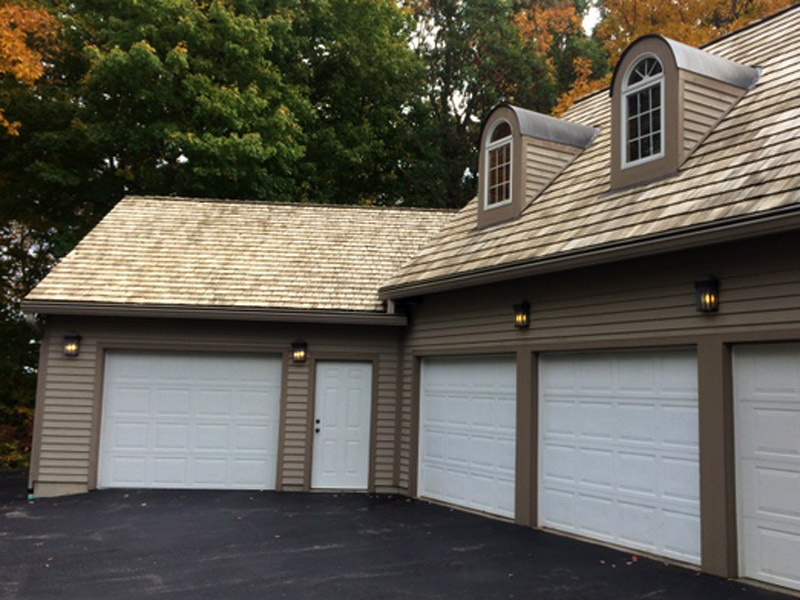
{"points": [[361, 78], [477, 54]]}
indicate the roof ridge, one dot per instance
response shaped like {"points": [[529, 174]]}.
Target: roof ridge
{"points": [[285, 203]]}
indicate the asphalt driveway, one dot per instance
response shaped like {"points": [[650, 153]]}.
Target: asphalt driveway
{"points": [[175, 544]]}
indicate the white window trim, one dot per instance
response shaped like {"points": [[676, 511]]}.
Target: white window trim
{"points": [[509, 139], [638, 87]]}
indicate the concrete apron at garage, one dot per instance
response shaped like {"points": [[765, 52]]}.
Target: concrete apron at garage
{"points": [[212, 544]]}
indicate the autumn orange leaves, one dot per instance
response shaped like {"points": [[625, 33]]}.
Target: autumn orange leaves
{"points": [[26, 32]]}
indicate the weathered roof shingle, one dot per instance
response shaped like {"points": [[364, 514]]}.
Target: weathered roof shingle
{"points": [[223, 253]]}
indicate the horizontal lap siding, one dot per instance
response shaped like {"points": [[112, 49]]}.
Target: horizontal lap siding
{"points": [[705, 103], [634, 302], [70, 387], [543, 163]]}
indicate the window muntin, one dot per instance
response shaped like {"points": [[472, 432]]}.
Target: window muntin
{"points": [[498, 166], [643, 112]]}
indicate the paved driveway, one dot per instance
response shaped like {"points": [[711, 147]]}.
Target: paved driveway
{"points": [[115, 544]]}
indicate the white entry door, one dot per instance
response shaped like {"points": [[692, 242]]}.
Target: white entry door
{"points": [[189, 420], [467, 432], [767, 414], [618, 449], [342, 418]]}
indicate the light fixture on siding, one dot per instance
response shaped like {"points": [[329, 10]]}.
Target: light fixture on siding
{"points": [[299, 351], [72, 344], [522, 315], [706, 295]]}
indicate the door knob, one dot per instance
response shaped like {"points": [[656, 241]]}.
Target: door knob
{"points": [[317, 421], [317, 429]]}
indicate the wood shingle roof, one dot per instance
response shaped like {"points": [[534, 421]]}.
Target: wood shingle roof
{"points": [[222, 253]]}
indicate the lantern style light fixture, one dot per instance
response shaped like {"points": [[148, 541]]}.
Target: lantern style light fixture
{"points": [[522, 315], [706, 295], [299, 351], [72, 344]]}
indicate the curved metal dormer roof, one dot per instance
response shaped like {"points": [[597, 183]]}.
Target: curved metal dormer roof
{"points": [[701, 62], [551, 129]]}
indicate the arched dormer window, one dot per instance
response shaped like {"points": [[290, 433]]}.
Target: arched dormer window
{"points": [[642, 112], [498, 156], [667, 97]]}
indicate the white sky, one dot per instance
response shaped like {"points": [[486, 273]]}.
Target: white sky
{"points": [[591, 19]]}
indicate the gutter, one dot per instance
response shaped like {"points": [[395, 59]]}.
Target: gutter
{"points": [[736, 228], [222, 313]]}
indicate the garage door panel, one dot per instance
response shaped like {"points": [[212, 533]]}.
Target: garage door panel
{"points": [[559, 463], [677, 529], [636, 423], [599, 421], [169, 471], [187, 422], [133, 401], [678, 427], [129, 471], [634, 473], [171, 436], [618, 449], [558, 419], [767, 402], [594, 466], [210, 471], [467, 433]]}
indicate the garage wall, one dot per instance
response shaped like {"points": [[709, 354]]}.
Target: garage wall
{"points": [[640, 302], [69, 389], [636, 303]]}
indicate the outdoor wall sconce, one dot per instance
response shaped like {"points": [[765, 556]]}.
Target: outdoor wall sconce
{"points": [[706, 295], [299, 351], [72, 344], [522, 315]]}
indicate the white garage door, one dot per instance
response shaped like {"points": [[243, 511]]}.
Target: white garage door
{"points": [[189, 421], [767, 416], [468, 432], [619, 449]]}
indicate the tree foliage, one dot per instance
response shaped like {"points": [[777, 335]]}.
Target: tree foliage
{"points": [[692, 22], [26, 33], [478, 53]]}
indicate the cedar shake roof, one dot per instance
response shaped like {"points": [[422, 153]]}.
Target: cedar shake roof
{"points": [[222, 253], [747, 168]]}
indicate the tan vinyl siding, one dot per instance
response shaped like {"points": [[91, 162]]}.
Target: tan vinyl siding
{"points": [[644, 302], [295, 426], [543, 163], [72, 387], [705, 103]]}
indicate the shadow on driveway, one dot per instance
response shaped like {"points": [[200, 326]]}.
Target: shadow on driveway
{"points": [[207, 544]]}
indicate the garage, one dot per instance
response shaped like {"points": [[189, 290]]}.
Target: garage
{"points": [[618, 449], [189, 420], [766, 392], [467, 432]]}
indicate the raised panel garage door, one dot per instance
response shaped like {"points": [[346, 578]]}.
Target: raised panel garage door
{"points": [[767, 416], [468, 432], [190, 420], [619, 449]]}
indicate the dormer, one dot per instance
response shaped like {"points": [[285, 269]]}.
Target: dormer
{"points": [[521, 152], [666, 97]]}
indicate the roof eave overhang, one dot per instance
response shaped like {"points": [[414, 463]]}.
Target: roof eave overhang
{"points": [[775, 221], [213, 313]]}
